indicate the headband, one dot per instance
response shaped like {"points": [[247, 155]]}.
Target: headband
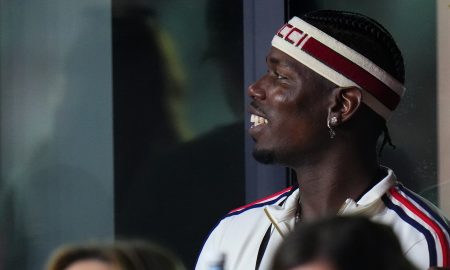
{"points": [[340, 64]]}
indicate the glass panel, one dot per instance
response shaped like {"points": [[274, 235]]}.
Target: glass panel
{"points": [[56, 182], [443, 99], [178, 116]]}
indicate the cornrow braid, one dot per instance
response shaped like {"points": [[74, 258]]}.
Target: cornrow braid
{"points": [[367, 37], [386, 140], [358, 31]]}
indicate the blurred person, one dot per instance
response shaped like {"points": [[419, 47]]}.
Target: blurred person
{"points": [[148, 85], [333, 80], [121, 255], [142, 255], [82, 257], [186, 177], [341, 243]]}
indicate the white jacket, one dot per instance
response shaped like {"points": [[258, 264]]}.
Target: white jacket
{"points": [[424, 234]]}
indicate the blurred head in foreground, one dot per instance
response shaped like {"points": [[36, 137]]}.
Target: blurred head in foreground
{"points": [[134, 255], [341, 243]]}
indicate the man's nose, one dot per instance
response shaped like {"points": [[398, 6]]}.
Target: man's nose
{"points": [[256, 91]]}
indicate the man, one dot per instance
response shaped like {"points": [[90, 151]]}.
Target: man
{"points": [[333, 80]]}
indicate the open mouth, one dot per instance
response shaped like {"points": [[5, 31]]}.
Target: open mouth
{"points": [[256, 120]]}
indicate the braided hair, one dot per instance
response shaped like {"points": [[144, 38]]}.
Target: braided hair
{"points": [[367, 37]]}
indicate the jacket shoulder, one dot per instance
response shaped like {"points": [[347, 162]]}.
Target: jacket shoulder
{"points": [[420, 216]]}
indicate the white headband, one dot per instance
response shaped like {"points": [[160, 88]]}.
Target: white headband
{"points": [[340, 64]]}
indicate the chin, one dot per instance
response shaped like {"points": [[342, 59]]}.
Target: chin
{"points": [[264, 156]]}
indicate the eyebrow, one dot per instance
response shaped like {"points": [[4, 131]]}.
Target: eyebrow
{"points": [[276, 61]]}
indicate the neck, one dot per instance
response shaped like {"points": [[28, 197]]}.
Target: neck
{"points": [[326, 182]]}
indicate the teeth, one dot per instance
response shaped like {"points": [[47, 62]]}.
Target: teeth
{"points": [[257, 120]]}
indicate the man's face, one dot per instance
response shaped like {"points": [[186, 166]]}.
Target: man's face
{"points": [[289, 111]]}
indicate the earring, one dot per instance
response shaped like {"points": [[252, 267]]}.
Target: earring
{"points": [[332, 121]]}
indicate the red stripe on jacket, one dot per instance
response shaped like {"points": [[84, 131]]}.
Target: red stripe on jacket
{"points": [[426, 219], [268, 198]]}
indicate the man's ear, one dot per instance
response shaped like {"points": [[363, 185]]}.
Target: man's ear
{"points": [[346, 101]]}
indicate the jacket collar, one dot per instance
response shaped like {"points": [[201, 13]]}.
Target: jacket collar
{"points": [[283, 217], [371, 202]]}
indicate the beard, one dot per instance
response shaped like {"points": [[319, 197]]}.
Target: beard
{"points": [[264, 156]]}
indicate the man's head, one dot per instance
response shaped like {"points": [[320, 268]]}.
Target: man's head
{"points": [[328, 65], [341, 243]]}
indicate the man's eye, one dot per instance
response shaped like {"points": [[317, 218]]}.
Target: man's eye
{"points": [[279, 76], [276, 75]]}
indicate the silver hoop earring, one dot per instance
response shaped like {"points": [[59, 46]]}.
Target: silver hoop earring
{"points": [[332, 121]]}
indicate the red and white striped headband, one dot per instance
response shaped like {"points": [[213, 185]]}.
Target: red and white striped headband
{"points": [[340, 64]]}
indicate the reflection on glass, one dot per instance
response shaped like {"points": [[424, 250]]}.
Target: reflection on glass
{"points": [[178, 108], [56, 182]]}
